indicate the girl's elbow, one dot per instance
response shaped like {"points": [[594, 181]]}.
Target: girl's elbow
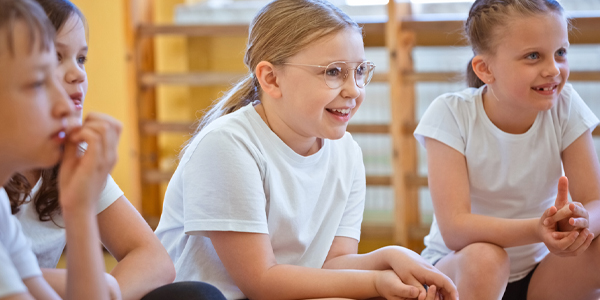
{"points": [[167, 271], [453, 241]]}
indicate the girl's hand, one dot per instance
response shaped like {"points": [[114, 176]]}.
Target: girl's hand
{"points": [[412, 269], [432, 293], [564, 244], [570, 217], [389, 286], [83, 174]]}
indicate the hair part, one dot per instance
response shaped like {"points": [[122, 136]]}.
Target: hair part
{"points": [[488, 17], [279, 31], [33, 17]]}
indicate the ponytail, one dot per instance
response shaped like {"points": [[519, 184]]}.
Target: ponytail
{"points": [[244, 92], [472, 79]]}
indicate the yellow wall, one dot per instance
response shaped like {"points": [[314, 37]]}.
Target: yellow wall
{"points": [[108, 90]]}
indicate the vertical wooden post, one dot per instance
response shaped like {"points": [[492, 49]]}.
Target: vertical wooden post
{"points": [[402, 94], [142, 54], [132, 91]]}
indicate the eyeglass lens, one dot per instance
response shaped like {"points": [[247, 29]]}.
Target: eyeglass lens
{"points": [[337, 72]]}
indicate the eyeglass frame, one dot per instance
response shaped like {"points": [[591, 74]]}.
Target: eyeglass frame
{"points": [[345, 76]]}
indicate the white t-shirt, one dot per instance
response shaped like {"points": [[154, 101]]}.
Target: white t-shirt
{"points": [[49, 238], [237, 175], [17, 261], [511, 176]]}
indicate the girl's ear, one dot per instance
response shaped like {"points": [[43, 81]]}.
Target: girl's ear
{"points": [[267, 78], [482, 69]]}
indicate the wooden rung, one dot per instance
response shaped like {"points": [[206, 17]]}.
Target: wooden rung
{"points": [[434, 76], [380, 77], [448, 29], [373, 28], [418, 232], [194, 79], [415, 180], [584, 75], [157, 176], [379, 180], [415, 232], [149, 30], [368, 128], [155, 127]]}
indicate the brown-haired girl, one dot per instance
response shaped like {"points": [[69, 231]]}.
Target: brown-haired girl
{"points": [[143, 263], [268, 198], [496, 153], [37, 128]]}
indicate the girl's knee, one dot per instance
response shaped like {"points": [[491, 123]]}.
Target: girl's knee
{"points": [[486, 258]]}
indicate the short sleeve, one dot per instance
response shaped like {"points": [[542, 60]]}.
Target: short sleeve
{"points": [[10, 281], [223, 188], [16, 245], [355, 206], [577, 116], [441, 122], [109, 195]]}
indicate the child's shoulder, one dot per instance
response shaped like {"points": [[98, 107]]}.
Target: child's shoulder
{"points": [[464, 97], [456, 103]]}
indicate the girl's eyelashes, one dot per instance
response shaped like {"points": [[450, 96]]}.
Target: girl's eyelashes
{"points": [[533, 56], [37, 83], [82, 60], [58, 56], [562, 52]]}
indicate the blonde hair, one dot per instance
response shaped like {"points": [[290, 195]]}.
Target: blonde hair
{"points": [[486, 17], [280, 30]]}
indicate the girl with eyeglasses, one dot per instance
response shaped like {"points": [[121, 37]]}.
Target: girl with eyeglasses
{"points": [[268, 198]]}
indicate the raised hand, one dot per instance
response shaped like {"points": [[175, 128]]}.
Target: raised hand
{"points": [[569, 243], [83, 173]]}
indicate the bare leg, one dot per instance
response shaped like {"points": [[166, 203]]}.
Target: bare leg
{"points": [[480, 271], [568, 277]]}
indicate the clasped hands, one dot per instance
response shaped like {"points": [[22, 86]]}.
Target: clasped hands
{"points": [[564, 227]]}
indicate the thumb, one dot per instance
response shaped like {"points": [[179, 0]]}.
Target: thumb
{"points": [[407, 291], [562, 197]]}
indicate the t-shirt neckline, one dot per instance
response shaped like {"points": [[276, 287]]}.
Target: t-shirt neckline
{"points": [[280, 145], [488, 123]]}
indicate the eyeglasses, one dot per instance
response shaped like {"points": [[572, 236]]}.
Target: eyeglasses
{"points": [[337, 72]]}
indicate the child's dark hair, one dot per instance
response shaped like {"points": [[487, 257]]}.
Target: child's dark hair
{"points": [[18, 188], [487, 17], [34, 18]]}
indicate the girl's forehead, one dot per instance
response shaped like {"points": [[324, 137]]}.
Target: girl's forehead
{"points": [[540, 30], [344, 45]]}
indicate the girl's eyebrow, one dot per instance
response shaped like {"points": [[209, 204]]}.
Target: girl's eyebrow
{"points": [[62, 45]]}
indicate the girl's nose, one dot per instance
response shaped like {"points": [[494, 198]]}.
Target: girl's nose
{"points": [[62, 106], [75, 74], [552, 69], [350, 89]]}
